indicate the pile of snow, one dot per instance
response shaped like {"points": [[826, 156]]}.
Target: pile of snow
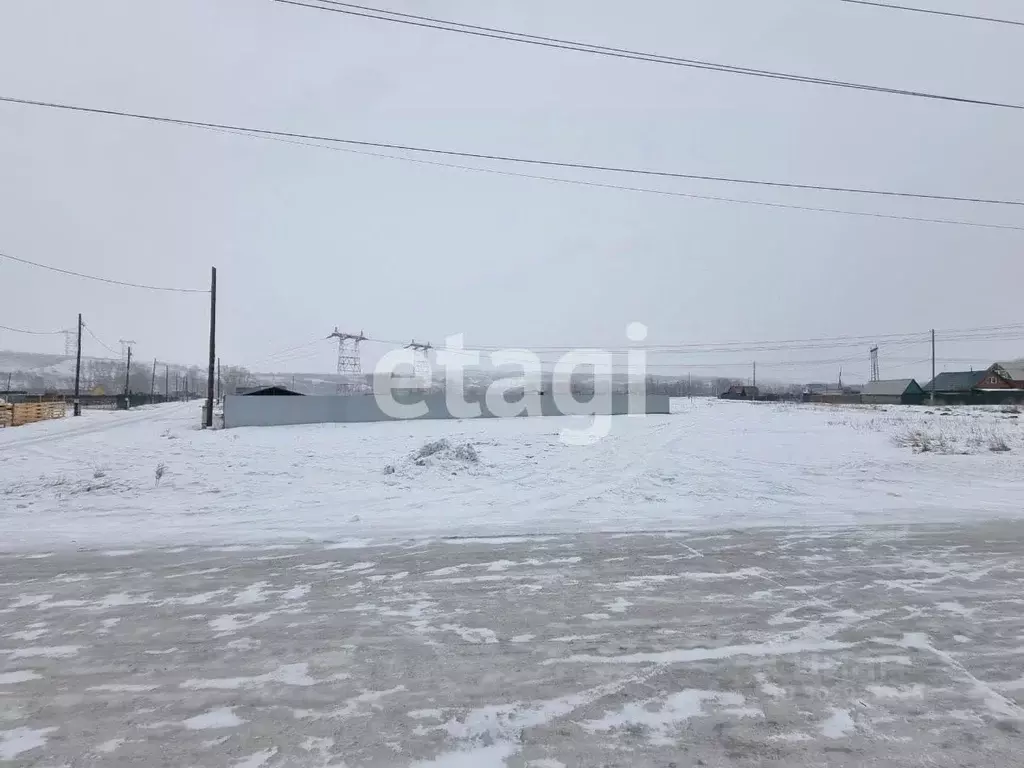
{"points": [[439, 454]]}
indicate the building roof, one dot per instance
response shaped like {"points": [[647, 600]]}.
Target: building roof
{"points": [[1014, 369], [956, 381], [892, 387], [272, 390]]}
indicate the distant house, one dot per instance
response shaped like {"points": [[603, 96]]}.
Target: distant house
{"points": [[740, 392], [1012, 371], [987, 387], [893, 392]]}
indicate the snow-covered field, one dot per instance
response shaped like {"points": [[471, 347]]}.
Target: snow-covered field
{"points": [[151, 477], [814, 637]]}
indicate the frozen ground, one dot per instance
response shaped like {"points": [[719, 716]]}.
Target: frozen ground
{"points": [[371, 596], [887, 647], [92, 482]]}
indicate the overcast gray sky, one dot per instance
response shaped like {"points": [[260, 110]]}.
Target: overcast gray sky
{"points": [[306, 239]]}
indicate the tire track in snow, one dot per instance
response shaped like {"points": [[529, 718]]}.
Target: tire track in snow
{"points": [[90, 429]]}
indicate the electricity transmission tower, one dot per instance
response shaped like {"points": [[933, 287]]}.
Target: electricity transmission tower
{"points": [[125, 344], [874, 363], [70, 342], [421, 368], [350, 363]]}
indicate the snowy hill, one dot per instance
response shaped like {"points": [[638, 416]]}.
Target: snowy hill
{"points": [[56, 373]]}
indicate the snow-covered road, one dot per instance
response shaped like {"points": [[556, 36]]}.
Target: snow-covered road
{"points": [[92, 482], [886, 647]]}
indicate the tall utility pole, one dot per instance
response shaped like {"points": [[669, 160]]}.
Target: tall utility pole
{"points": [[167, 381], [152, 383], [127, 373], [213, 346], [933, 367], [77, 407], [754, 382]]}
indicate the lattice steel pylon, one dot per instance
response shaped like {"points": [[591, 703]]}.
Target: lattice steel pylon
{"points": [[70, 342], [350, 362], [421, 368], [125, 343], [874, 363]]}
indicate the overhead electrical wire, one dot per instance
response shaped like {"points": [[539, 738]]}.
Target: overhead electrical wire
{"points": [[100, 341], [494, 33], [659, 349], [986, 333], [891, 341], [625, 188], [511, 158], [1008, 332], [32, 333], [101, 279], [289, 354], [934, 12]]}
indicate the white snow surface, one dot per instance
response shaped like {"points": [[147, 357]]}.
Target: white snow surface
{"points": [[91, 481]]}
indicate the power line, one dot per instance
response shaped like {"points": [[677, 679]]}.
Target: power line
{"points": [[933, 12], [982, 333], [506, 158], [101, 342], [444, 25], [288, 354], [101, 279], [625, 188], [32, 333], [891, 341]]}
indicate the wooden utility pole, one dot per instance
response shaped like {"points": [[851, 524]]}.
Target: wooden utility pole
{"points": [[933, 367], [167, 381], [213, 346], [152, 383], [77, 406], [127, 374], [754, 382]]}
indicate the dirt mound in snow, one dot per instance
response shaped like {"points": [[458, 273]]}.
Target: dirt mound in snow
{"points": [[440, 454]]}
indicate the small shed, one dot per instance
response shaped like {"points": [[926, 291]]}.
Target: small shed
{"points": [[274, 391], [893, 392]]}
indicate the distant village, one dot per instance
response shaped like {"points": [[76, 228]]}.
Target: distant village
{"points": [[1000, 384]]}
